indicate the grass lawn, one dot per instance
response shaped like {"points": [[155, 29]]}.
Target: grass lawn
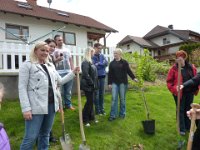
{"points": [[121, 134]]}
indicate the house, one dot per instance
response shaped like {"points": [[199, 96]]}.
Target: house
{"points": [[162, 42], [27, 22], [24, 23]]}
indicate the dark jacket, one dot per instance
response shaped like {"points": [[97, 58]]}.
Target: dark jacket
{"points": [[89, 81], [118, 71], [101, 63]]}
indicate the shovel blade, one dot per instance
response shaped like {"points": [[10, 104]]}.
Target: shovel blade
{"points": [[66, 143], [84, 147]]}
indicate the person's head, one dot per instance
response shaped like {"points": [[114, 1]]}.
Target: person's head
{"points": [[97, 47], [52, 45], [182, 56], [1, 91], [117, 54], [89, 52], [59, 41], [40, 53]]}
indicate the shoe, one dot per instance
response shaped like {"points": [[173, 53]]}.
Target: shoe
{"points": [[111, 119], [182, 133], [87, 124], [53, 140], [71, 108], [122, 117], [96, 121]]}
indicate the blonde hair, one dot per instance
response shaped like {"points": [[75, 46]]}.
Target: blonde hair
{"points": [[88, 54], [33, 57], [118, 50]]}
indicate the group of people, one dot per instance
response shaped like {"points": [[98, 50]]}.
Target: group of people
{"points": [[189, 81], [51, 67]]}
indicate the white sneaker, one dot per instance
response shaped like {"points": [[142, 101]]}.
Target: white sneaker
{"points": [[96, 121], [87, 124]]}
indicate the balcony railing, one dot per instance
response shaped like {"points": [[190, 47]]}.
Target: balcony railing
{"points": [[12, 56]]}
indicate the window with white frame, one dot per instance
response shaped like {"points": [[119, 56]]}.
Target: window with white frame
{"points": [[69, 38], [17, 32]]}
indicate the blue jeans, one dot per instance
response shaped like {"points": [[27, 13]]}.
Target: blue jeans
{"points": [[67, 92], [118, 90], [99, 97], [38, 128], [186, 100]]}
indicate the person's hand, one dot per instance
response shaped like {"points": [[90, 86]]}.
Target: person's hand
{"points": [[27, 115], [191, 112], [135, 79], [110, 86], [181, 87], [76, 70]]}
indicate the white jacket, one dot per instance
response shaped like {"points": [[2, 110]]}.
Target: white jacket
{"points": [[33, 86]]}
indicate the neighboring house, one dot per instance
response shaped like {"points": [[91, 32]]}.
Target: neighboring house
{"points": [[28, 22], [161, 41], [24, 23]]}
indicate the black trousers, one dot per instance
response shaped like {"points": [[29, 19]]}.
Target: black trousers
{"points": [[88, 110]]}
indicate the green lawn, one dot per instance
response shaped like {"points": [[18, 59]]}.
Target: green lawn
{"points": [[120, 134]]}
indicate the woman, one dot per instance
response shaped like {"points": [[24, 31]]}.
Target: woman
{"points": [[118, 82], [89, 83], [187, 72], [37, 85]]}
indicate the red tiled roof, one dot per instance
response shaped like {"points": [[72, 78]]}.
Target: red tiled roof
{"points": [[11, 6]]}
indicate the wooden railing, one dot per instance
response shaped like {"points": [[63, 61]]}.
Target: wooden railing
{"points": [[12, 56]]}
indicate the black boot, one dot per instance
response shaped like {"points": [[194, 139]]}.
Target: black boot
{"points": [[52, 138]]}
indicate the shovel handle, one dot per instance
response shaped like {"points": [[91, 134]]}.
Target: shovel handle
{"points": [[80, 105], [178, 97], [192, 126]]}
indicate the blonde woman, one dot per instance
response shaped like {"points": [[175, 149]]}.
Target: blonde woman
{"points": [[89, 83], [37, 85], [118, 82]]}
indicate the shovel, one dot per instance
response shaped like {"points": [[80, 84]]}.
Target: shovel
{"points": [[82, 146], [192, 126], [65, 140], [148, 125]]}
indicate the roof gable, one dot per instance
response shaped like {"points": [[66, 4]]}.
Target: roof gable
{"points": [[11, 6]]}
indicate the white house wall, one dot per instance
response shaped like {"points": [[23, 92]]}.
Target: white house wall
{"points": [[170, 37], [40, 27], [134, 47]]}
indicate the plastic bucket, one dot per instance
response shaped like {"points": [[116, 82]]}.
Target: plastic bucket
{"points": [[149, 126]]}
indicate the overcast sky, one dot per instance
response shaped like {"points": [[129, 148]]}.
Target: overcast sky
{"points": [[134, 17]]}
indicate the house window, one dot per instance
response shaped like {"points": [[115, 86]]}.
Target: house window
{"points": [[17, 32], [69, 38], [128, 47], [164, 41]]}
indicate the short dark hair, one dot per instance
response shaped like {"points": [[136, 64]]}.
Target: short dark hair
{"points": [[96, 45], [49, 40], [57, 35]]}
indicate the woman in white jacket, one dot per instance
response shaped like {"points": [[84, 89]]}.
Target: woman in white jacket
{"points": [[38, 81]]}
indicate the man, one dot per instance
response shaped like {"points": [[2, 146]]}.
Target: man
{"points": [[101, 63], [64, 66]]}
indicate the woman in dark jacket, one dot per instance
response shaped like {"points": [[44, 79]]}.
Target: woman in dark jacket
{"points": [[118, 82], [187, 72], [89, 83]]}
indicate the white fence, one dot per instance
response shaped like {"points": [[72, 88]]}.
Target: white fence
{"points": [[12, 55]]}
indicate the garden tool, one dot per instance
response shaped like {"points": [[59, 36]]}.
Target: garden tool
{"points": [[180, 142], [65, 139], [192, 126], [82, 146], [148, 125]]}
